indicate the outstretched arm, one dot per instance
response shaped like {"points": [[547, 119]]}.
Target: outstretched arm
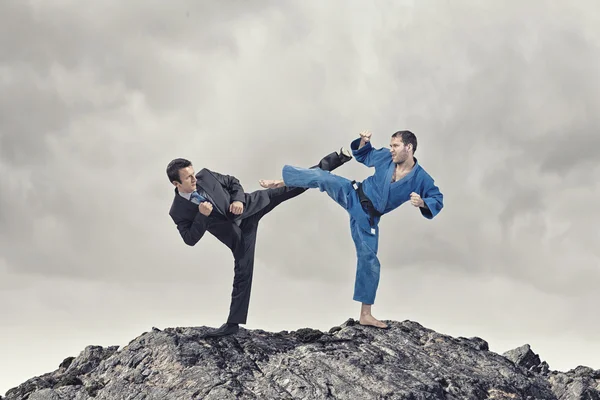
{"points": [[364, 153]]}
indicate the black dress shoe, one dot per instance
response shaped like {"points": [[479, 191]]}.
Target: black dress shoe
{"points": [[225, 330], [345, 155]]}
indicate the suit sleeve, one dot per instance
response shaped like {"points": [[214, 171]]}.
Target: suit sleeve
{"points": [[192, 231], [368, 155], [433, 198], [232, 185]]}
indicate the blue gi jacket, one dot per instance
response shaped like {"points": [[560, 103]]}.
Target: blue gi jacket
{"points": [[387, 196]]}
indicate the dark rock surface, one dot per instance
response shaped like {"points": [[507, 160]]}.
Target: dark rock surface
{"points": [[525, 357], [407, 361]]}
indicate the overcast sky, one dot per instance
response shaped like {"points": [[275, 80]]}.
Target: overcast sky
{"points": [[96, 99]]}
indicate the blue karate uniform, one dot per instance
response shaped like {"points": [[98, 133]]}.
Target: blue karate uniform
{"points": [[385, 196]]}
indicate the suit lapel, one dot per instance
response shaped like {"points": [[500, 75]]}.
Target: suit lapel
{"points": [[212, 187], [183, 202]]}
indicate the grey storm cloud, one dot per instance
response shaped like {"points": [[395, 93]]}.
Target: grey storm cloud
{"points": [[100, 97]]}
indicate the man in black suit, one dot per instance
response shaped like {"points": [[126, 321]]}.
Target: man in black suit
{"points": [[212, 202]]}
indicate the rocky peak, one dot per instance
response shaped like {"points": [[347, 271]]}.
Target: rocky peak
{"points": [[526, 358], [407, 361]]}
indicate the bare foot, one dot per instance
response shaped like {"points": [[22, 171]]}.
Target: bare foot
{"points": [[370, 320], [271, 184]]}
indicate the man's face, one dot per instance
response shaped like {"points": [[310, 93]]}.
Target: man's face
{"points": [[188, 180], [399, 150]]}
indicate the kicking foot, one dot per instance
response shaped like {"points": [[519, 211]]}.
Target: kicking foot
{"points": [[345, 154], [369, 320], [271, 184]]}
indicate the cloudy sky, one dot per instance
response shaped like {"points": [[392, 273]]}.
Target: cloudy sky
{"points": [[96, 99]]}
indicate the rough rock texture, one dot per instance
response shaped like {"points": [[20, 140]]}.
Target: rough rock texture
{"points": [[580, 383], [350, 361], [525, 357]]}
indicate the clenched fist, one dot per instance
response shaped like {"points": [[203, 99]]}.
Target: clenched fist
{"points": [[365, 136], [205, 208], [237, 207], [416, 200]]}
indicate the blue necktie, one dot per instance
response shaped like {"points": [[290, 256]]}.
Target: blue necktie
{"points": [[197, 198]]}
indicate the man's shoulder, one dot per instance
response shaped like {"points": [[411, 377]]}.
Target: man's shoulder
{"points": [[177, 208], [423, 174], [174, 209]]}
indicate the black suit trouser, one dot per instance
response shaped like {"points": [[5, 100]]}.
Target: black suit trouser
{"points": [[243, 246]]}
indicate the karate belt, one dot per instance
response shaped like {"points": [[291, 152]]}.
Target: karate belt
{"points": [[366, 203]]}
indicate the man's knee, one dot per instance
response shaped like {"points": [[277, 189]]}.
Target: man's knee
{"points": [[329, 182], [369, 266]]}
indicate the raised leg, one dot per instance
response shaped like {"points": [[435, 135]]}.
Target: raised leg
{"points": [[337, 187], [334, 160], [282, 192], [328, 163]]}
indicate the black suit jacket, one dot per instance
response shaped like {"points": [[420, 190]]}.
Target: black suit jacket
{"points": [[223, 190]]}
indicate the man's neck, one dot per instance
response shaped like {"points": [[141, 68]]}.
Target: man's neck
{"points": [[405, 166]]}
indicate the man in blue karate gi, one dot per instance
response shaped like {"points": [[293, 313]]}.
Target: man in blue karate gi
{"points": [[398, 178]]}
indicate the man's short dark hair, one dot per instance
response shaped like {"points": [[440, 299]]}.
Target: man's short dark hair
{"points": [[174, 167], [407, 138]]}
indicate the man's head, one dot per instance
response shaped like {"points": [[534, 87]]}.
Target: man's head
{"points": [[403, 146], [181, 174]]}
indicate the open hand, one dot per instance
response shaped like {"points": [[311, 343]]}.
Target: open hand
{"points": [[237, 207], [205, 208], [416, 200]]}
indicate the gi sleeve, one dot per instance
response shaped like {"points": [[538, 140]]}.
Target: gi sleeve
{"points": [[368, 155], [433, 199]]}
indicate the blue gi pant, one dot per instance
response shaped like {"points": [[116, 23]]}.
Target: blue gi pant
{"points": [[365, 236]]}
